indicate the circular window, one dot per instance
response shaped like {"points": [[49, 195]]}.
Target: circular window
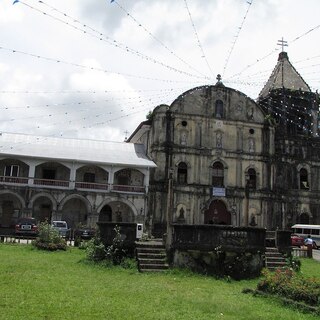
{"points": [[184, 123], [251, 131]]}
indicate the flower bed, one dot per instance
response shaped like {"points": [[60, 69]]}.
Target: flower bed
{"points": [[291, 285]]}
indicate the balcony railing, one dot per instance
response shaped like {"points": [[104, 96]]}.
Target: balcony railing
{"points": [[15, 180], [91, 186], [123, 188], [51, 182], [67, 184]]}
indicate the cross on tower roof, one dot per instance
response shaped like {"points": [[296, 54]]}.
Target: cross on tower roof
{"points": [[282, 43]]}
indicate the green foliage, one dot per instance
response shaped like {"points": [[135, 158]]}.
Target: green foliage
{"points": [[129, 263], [115, 251], [146, 237], [115, 254], [289, 284], [49, 238], [294, 263], [95, 250]]}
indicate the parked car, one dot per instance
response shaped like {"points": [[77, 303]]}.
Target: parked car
{"points": [[26, 226], [296, 240], [84, 233], [81, 233], [61, 227]]}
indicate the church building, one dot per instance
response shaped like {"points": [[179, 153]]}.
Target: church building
{"points": [[223, 158]]}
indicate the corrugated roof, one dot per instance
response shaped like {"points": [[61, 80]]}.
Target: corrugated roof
{"points": [[106, 152], [284, 75]]}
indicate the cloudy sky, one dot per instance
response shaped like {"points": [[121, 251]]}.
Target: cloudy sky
{"points": [[93, 69]]}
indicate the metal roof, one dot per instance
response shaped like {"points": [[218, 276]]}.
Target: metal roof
{"points": [[64, 149]]}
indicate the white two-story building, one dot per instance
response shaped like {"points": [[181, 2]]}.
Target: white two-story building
{"points": [[79, 181]]}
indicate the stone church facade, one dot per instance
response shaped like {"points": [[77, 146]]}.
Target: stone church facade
{"points": [[223, 158]]}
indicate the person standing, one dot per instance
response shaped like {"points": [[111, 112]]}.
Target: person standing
{"points": [[309, 243]]}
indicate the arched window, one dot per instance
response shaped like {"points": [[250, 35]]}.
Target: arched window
{"points": [[182, 173], [252, 179], [304, 179], [218, 175], [219, 109]]}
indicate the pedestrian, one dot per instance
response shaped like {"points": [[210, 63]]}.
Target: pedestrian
{"points": [[309, 243]]}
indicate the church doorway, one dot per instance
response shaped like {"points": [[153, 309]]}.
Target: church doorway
{"points": [[105, 214], [217, 213]]}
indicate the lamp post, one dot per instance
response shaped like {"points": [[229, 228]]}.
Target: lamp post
{"points": [[169, 209], [246, 191]]}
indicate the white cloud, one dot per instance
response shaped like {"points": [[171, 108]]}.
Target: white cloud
{"points": [[71, 100]]}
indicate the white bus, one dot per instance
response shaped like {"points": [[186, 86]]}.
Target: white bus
{"points": [[304, 230]]}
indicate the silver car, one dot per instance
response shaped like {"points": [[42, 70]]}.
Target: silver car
{"points": [[61, 227]]}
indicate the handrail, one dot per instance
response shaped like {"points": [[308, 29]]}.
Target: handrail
{"points": [[37, 182], [92, 185]]}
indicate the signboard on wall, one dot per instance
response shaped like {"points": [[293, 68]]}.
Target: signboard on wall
{"points": [[218, 192]]}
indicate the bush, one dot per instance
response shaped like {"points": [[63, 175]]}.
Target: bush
{"points": [[95, 250], [49, 238], [289, 284], [294, 263], [115, 252], [129, 263]]}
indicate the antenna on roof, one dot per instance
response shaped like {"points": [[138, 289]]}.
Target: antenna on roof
{"points": [[282, 43]]}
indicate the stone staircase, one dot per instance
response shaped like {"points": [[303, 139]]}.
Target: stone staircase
{"points": [[151, 256], [274, 259]]}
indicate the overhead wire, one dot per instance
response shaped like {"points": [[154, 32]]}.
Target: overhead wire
{"points": [[156, 39], [236, 37], [273, 51], [90, 67], [198, 39], [102, 37], [272, 103], [90, 91], [153, 100], [78, 103]]}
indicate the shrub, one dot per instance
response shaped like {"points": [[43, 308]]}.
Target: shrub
{"points": [[115, 251], [95, 250], [49, 238], [287, 283], [113, 254], [294, 263], [129, 263]]}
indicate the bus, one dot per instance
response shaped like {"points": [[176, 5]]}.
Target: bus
{"points": [[303, 230]]}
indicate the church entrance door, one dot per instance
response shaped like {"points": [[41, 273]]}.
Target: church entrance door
{"points": [[217, 213]]}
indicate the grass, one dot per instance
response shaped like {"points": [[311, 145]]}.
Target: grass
{"points": [[62, 285]]}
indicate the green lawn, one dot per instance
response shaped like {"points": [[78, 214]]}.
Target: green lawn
{"points": [[61, 285]]}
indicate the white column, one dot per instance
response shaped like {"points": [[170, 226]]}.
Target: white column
{"points": [[32, 169], [73, 177], [146, 179]]}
